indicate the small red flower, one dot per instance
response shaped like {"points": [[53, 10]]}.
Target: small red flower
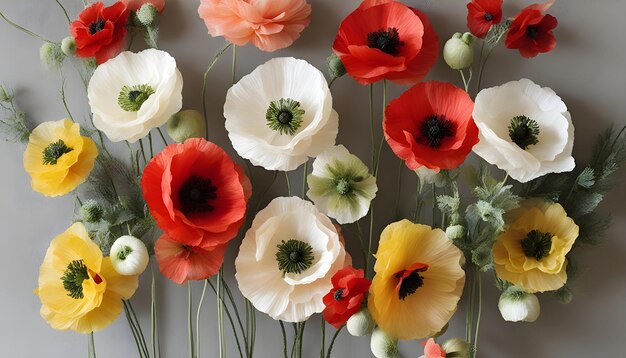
{"points": [[349, 289], [431, 125], [385, 39], [531, 31], [482, 14], [100, 31], [196, 193], [180, 262]]}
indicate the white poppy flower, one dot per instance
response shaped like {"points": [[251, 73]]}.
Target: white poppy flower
{"points": [[281, 114], [515, 305], [287, 259], [341, 185], [524, 129], [135, 92], [129, 256]]}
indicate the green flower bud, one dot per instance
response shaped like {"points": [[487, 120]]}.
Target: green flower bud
{"points": [[455, 232], [147, 15], [5, 96], [51, 55], [564, 295], [516, 305], [186, 124], [91, 212], [335, 67], [458, 51], [383, 345], [361, 323], [456, 347], [68, 46]]}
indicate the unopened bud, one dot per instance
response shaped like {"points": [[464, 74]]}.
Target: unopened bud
{"points": [[186, 124], [68, 46], [51, 55], [458, 51], [335, 67], [361, 323]]}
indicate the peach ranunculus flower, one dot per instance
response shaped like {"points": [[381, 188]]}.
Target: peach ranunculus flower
{"points": [[269, 25]]}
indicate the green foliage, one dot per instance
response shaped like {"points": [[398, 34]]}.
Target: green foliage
{"points": [[13, 124], [497, 32]]}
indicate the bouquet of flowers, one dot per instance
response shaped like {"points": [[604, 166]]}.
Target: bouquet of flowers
{"points": [[518, 209]]}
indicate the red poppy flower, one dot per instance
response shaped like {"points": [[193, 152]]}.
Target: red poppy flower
{"points": [[349, 289], [385, 39], [482, 14], [134, 5], [196, 193], [431, 125], [100, 31], [180, 262], [531, 31]]}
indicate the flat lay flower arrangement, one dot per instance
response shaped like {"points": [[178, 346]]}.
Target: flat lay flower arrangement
{"points": [[512, 216]]}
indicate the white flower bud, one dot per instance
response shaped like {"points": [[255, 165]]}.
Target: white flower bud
{"points": [[51, 55], [518, 306], [383, 345], [458, 51], [186, 124], [68, 46], [456, 347], [361, 323], [455, 232], [147, 15], [129, 256]]}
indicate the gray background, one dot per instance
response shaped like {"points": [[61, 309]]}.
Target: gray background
{"points": [[586, 69]]}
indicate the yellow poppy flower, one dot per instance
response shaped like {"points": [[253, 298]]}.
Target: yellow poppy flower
{"points": [[531, 252], [78, 287], [58, 158], [418, 281]]}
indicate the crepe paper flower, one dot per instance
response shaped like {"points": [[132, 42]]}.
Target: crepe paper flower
{"points": [[515, 305], [269, 25], [57, 158], [78, 287], [431, 125], [349, 290], [456, 347], [433, 350], [524, 129], [287, 259], [531, 31], [129, 256], [385, 39], [482, 14], [135, 5], [196, 193], [341, 185], [100, 31], [383, 345], [135, 92], [281, 114], [180, 262], [361, 323], [531, 253], [418, 275]]}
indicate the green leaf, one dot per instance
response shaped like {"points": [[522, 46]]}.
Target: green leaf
{"points": [[586, 179], [584, 203]]}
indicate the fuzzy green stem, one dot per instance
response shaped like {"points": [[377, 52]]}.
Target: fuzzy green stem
{"points": [[67, 17], [204, 84]]}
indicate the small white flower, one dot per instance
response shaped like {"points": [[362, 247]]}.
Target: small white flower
{"points": [[524, 129], [360, 323], [287, 259], [129, 256], [281, 114], [383, 345], [341, 185], [135, 92], [518, 306]]}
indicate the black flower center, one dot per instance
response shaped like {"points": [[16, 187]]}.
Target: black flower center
{"points": [[294, 256], [532, 31], [53, 152], [96, 26], [73, 278], [537, 244], [410, 281], [196, 194], [338, 295], [386, 41], [488, 17], [524, 131], [284, 116], [434, 129]]}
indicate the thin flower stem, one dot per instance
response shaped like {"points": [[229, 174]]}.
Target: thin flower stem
{"points": [[143, 152], [69, 21], [230, 320], [282, 328], [332, 81], [92, 346], [434, 187], [198, 314], [305, 172], [237, 316], [288, 184], [323, 334], [396, 206], [63, 99], [220, 312], [154, 326], [253, 338], [468, 311], [418, 201], [189, 324], [162, 137], [204, 84], [480, 308], [133, 330], [24, 30], [139, 330], [382, 139], [332, 342], [150, 144], [301, 339], [369, 242], [234, 67], [371, 108]]}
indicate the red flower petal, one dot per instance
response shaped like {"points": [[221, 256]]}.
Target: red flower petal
{"points": [[180, 262], [531, 31], [482, 14], [345, 298]]}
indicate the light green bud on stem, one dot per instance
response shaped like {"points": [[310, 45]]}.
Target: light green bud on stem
{"points": [[186, 124], [458, 51], [68, 46]]}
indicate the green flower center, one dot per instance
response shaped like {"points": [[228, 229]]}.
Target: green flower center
{"points": [[410, 281], [524, 131], [294, 256], [537, 244], [343, 186], [73, 278], [96, 26], [434, 129], [386, 41], [131, 98], [284, 116], [123, 254], [54, 151], [195, 195]]}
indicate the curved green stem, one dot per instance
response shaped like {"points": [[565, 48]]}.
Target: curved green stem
{"points": [[198, 319], [332, 342], [69, 21], [204, 84], [189, 320], [24, 30]]}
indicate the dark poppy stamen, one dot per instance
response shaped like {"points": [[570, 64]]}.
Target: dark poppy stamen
{"points": [[532, 31], [387, 41], [96, 26], [338, 295], [537, 244], [196, 194], [488, 17], [434, 129], [410, 280]]}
